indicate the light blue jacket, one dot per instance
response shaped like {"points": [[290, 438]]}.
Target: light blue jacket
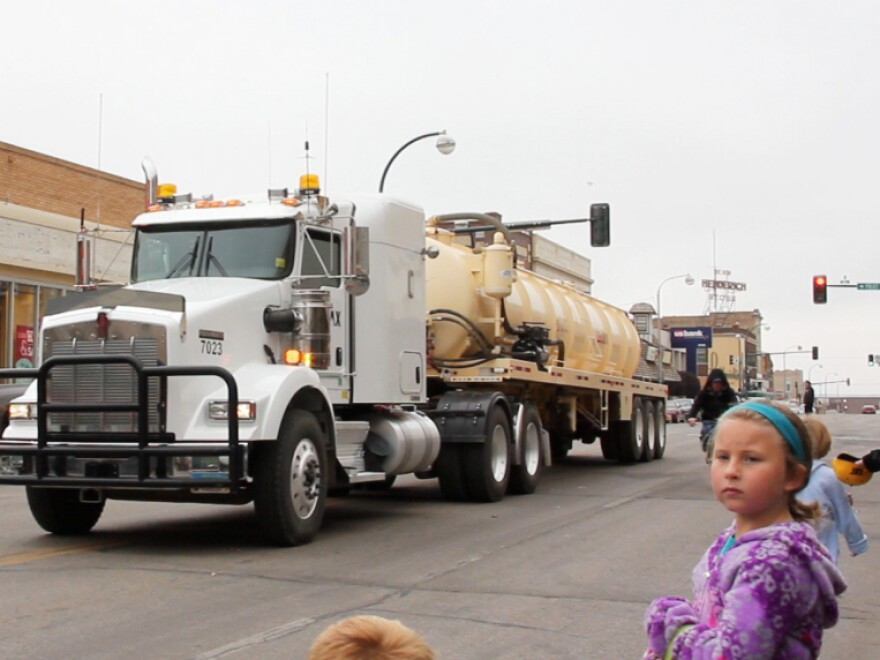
{"points": [[838, 516]]}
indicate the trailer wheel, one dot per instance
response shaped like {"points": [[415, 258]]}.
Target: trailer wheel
{"points": [[525, 476], [658, 443], [59, 510], [610, 442], [560, 445], [631, 435], [649, 416], [291, 481], [487, 464], [450, 472]]}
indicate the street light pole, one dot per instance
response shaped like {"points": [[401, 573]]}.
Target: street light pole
{"points": [[445, 145], [748, 375], [785, 371], [688, 279]]}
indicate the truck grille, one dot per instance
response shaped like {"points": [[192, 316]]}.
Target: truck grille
{"points": [[104, 383]]}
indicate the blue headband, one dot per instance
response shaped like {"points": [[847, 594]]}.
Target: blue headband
{"points": [[780, 422]]}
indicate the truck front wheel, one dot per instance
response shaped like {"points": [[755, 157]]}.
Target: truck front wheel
{"points": [[60, 511], [291, 481]]}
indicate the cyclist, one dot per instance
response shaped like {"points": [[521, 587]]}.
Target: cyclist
{"points": [[715, 397]]}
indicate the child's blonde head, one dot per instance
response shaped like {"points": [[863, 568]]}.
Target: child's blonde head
{"points": [[760, 411], [819, 436], [369, 638]]}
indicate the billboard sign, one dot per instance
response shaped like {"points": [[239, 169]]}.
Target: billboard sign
{"points": [[691, 339]]}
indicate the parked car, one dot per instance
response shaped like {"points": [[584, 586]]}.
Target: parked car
{"points": [[868, 409], [677, 410]]}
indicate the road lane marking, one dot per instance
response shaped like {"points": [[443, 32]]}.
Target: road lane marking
{"points": [[44, 553], [259, 638]]}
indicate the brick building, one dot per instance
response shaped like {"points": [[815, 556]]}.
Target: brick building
{"points": [[45, 204]]}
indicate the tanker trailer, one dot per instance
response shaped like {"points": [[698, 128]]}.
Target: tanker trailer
{"points": [[561, 358]]}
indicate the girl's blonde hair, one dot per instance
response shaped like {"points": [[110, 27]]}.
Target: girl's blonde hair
{"points": [[799, 510], [819, 436], [369, 637]]}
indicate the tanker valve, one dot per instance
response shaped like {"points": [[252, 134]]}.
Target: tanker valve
{"points": [[532, 343]]}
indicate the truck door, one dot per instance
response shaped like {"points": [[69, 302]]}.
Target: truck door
{"points": [[321, 267]]}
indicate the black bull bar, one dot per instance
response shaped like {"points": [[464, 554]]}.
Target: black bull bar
{"points": [[140, 444]]}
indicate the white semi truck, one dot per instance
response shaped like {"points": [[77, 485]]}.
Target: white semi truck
{"points": [[283, 349]]}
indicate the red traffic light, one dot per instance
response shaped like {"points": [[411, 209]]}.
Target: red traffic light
{"points": [[820, 289]]}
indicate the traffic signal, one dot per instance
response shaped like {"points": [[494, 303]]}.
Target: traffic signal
{"points": [[820, 289], [815, 352], [731, 359], [870, 359]]}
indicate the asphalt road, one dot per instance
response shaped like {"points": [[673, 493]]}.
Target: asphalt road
{"points": [[564, 573]]}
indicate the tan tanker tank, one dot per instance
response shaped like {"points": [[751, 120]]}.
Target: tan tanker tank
{"points": [[477, 299]]}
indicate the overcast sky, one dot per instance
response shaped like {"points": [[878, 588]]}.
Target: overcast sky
{"points": [[739, 135]]}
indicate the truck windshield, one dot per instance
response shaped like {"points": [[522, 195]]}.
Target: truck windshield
{"points": [[260, 250]]}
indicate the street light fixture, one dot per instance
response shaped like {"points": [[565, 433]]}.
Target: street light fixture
{"points": [[445, 145], [689, 280], [831, 377], [810, 372]]}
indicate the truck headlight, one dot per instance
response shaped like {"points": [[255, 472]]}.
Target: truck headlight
{"points": [[219, 410], [22, 410]]}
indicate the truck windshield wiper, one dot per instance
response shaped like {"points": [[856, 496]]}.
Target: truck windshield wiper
{"points": [[187, 260], [212, 260]]}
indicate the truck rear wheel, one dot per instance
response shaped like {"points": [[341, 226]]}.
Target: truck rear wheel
{"points": [[658, 442], [450, 471], [60, 511], [487, 464], [631, 435], [525, 476], [291, 481], [649, 432]]}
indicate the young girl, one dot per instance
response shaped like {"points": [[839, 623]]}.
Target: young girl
{"points": [[766, 588], [838, 516]]}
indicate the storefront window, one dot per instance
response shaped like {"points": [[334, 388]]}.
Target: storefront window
{"points": [[24, 323], [21, 308], [5, 343]]}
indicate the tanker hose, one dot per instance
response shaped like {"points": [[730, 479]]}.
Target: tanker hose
{"points": [[460, 319]]}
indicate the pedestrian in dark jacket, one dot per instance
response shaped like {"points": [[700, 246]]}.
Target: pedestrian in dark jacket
{"points": [[712, 401], [809, 398]]}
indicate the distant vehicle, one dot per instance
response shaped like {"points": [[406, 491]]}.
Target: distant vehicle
{"points": [[676, 411], [868, 409]]}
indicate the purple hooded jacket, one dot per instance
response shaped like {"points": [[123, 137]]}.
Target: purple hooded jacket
{"points": [[769, 596]]}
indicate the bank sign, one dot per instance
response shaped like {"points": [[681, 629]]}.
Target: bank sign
{"points": [[691, 339]]}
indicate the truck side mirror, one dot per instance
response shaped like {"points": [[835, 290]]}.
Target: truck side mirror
{"points": [[600, 230], [356, 259]]}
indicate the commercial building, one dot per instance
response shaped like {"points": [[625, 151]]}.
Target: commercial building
{"points": [[49, 208]]}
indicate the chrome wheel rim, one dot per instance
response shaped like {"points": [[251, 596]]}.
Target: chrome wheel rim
{"points": [[499, 453], [305, 479]]}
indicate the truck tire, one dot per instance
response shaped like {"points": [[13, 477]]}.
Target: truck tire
{"points": [[658, 443], [525, 476], [290, 481], [59, 510], [649, 417], [487, 464], [450, 472], [610, 442], [631, 434]]}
